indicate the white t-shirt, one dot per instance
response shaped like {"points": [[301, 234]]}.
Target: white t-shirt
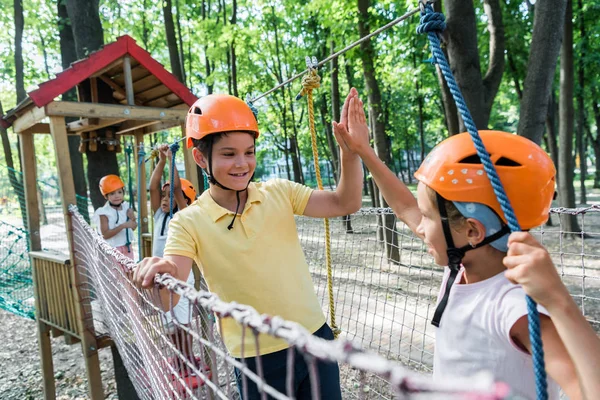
{"points": [[159, 239], [115, 218], [474, 334]]}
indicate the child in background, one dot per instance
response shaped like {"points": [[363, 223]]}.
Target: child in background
{"points": [[115, 221], [184, 194], [481, 317]]}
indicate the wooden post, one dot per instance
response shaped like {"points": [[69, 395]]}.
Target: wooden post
{"points": [[35, 244], [128, 81], [191, 171], [31, 195], [141, 172], [67, 191]]}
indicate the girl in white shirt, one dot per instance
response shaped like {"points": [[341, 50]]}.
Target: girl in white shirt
{"points": [[115, 221], [481, 316]]}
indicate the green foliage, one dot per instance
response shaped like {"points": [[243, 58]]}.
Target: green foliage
{"points": [[271, 40]]}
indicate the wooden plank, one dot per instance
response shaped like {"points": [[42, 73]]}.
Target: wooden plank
{"points": [[91, 124], [94, 89], [137, 73], [117, 89], [43, 255], [28, 119], [40, 127], [141, 171], [31, 195], [154, 93], [71, 315], [91, 110], [129, 126], [160, 126], [191, 172], [128, 81], [112, 66], [145, 83], [45, 348], [167, 101]]}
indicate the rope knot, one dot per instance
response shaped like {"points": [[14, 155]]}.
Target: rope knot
{"points": [[310, 81], [431, 21], [174, 148]]}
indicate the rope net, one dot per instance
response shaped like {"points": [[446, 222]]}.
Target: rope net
{"points": [[168, 359]]}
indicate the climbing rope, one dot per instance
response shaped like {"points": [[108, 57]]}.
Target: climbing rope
{"points": [[141, 154], [128, 151], [434, 23], [310, 82]]}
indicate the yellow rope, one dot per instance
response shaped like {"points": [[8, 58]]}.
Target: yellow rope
{"points": [[312, 81]]}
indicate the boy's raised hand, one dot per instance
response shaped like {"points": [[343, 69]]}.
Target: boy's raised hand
{"points": [[355, 134], [530, 266], [340, 129]]}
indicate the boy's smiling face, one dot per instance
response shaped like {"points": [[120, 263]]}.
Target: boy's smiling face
{"points": [[233, 160], [116, 197]]}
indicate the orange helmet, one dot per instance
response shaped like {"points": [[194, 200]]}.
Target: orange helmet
{"points": [[527, 173], [110, 183], [186, 187], [218, 113]]}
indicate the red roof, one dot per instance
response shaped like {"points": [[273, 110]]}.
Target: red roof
{"points": [[83, 69]]}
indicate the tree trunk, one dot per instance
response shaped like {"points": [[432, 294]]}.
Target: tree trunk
{"points": [[88, 36], [566, 191], [449, 106], [548, 26], [44, 53], [206, 14], [172, 41], [180, 41], [478, 91], [68, 56], [551, 129], [145, 31], [381, 143], [581, 148], [333, 149], [596, 142], [233, 21], [15, 181], [19, 69]]}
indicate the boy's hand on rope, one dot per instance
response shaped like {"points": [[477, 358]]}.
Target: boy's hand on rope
{"points": [[146, 270], [130, 213], [530, 266], [131, 224]]}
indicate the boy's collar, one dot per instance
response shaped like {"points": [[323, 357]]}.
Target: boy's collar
{"points": [[216, 211]]}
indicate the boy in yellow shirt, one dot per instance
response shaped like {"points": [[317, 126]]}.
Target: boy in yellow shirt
{"points": [[243, 235]]}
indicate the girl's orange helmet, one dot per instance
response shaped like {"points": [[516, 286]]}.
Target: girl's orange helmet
{"points": [[527, 173], [186, 187], [110, 183], [218, 113]]}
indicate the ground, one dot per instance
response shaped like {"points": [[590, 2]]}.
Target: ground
{"points": [[21, 377]]}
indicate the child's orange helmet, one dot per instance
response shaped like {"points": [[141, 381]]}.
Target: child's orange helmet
{"points": [[218, 113], [110, 183], [527, 173], [186, 187]]}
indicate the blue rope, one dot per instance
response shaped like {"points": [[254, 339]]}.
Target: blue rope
{"points": [[174, 148], [434, 23], [141, 154]]}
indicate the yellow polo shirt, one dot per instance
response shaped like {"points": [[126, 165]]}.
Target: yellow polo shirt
{"points": [[259, 262]]}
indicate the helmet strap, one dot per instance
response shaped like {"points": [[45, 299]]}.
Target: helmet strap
{"points": [[115, 205], [455, 256]]}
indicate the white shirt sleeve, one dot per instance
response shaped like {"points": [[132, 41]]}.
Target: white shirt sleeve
{"points": [[512, 306]]}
